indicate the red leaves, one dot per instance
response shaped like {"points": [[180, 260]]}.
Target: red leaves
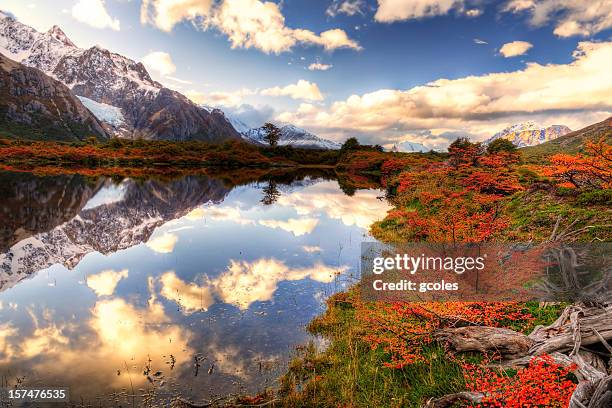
{"points": [[402, 329], [590, 170], [542, 384]]}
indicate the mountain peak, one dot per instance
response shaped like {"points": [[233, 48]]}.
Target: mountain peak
{"points": [[57, 33], [530, 134]]}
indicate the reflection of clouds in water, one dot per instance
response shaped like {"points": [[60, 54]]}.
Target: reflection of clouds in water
{"points": [[236, 361], [362, 209], [89, 355], [311, 249], [105, 282], [190, 296], [163, 244], [232, 214], [297, 227], [107, 195], [242, 283]]}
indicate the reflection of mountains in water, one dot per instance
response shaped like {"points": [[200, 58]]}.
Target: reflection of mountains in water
{"points": [[57, 205]]}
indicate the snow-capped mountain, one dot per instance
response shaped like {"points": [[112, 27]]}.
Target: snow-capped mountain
{"points": [[36, 106], [409, 147], [150, 110], [292, 136], [530, 134]]}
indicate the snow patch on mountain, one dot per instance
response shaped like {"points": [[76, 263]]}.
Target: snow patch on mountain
{"points": [[106, 113], [409, 147]]}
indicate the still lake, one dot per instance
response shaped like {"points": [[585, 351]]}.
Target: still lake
{"points": [[139, 291]]}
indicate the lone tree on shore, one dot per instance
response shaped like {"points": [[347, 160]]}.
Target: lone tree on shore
{"points": [[272, 134]]}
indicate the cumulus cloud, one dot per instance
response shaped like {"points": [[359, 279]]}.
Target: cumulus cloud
{"points": [[219, 98], [105, 282], [296, 226], [93, 13], [317, 66], [302, 89], [163, 244], [311, 249], [348, 7], [570, 17], [159, 62], [246, 23], [515, 48], [480, 105], [397, 10]]}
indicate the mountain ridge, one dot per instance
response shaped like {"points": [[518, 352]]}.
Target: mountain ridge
{"points": [[151, 111]]}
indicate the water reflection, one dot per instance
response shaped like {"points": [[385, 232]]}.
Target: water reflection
{"points": [[187, 287]]}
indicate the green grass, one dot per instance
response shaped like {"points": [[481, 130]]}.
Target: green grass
{"points": [[350, 373], [534, 214]]}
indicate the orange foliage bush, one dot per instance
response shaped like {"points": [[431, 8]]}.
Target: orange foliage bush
{"points": [[401, 329], [590, 170], [542, 384]]}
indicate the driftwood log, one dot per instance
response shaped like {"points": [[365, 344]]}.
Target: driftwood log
{"points": [[580, 336]]}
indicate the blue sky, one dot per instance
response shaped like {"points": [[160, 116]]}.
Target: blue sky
{"points": [[252, 57]]}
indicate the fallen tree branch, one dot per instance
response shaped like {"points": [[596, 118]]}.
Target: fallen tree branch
{"points": [[451, 399]]}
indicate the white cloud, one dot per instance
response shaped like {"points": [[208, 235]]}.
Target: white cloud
{"points": [[163, 244], [317, 66], [515, 48], [220, 98], [311, 249], [348, 7], [301, 90], [246, 23], [159, 62], [296, 226], [571, 17], [479, 41], [105, 282], [397, 10], [479, 105], [473, 12], [93, 13]]}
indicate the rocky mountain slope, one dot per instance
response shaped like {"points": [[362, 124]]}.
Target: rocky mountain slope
{"points": [[150, 110], [36, 106], [530, 134]]}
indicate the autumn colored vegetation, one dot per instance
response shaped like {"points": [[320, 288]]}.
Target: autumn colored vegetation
{"points": [[385, 354]]}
